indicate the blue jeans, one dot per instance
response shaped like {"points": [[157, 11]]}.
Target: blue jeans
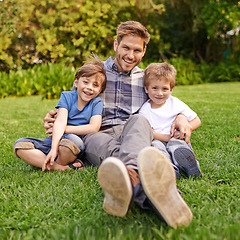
{"points": [[71, 141]]}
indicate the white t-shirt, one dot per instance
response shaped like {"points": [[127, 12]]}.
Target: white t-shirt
{"points": [[162, 118]]}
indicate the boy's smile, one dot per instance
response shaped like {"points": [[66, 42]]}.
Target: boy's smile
{"points": [[158, 91], [87, 88]]}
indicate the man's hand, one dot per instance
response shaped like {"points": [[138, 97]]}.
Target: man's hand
{"points": [[49, 121], [182, 125]]}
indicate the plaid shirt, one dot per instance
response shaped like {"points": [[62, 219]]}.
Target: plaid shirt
{"points": [[124, 94]]}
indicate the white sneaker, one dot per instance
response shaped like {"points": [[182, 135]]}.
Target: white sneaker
{"points": [[114, 179], [159, 183]]}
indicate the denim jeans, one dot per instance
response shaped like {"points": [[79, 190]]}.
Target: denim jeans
{"points": [[71, 141]]}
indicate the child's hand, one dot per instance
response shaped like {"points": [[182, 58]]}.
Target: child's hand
{"points": [[49, 160], [176, 134]]}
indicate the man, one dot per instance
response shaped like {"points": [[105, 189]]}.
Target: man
{"points": [[122, 147]]}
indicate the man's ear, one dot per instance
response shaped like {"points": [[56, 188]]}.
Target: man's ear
{"points": [[144, 50], [115, 45]]}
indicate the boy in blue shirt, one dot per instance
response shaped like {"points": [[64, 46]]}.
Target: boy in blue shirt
{"points": [[79, 113]]}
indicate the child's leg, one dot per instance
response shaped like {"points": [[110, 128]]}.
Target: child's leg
{"points": [[33, 151], [65, 156], [33, 157], [70, 147], [184, 157]]}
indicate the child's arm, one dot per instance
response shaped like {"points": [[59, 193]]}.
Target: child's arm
{"points": [[93, 126], [161, 137], [195, 123], [58, 130]]}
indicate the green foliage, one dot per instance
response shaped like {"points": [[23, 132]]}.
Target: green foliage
{"points": [[57, 31], [220, 17], [222, 72], [187, 71], [48, 80], [199, 29], [225, 72], [9, 12], [68, 205]]}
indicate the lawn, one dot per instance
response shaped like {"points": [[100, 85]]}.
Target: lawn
{"points": [[68, 205]]}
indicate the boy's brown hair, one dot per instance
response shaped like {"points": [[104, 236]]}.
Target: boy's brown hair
{"points": [[132, 28], [159, 71], [93, 66]]}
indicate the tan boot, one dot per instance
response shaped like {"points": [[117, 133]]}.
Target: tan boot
{"points": [[114, 179], [158, 180]]}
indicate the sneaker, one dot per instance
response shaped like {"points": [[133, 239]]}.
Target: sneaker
{"points": [[159, 184], [187, 162], [114, 179]]}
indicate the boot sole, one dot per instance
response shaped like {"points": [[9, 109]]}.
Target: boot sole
{"points": [[115, 182], [159, 183]]}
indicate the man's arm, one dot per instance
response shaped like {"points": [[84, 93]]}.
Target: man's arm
{"points": [[184, 127], [49, 120]]}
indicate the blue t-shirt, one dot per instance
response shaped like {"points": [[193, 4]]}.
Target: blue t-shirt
{"points": [[78, 117]]}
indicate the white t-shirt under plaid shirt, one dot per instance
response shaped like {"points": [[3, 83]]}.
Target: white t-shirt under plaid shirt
{"points": [[124, 94]]}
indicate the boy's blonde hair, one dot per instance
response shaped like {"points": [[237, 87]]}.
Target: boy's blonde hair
{"points": [[93, 66], [159, 71], [132, 28]]}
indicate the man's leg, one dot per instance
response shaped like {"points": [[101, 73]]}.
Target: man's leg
{"points": [[114, 179], [118, 175], [137, 134], [99, 146], [159, 183], [162, 147], [119, 181]]}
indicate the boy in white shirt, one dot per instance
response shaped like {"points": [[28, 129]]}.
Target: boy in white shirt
{"points": [[161, 110]]}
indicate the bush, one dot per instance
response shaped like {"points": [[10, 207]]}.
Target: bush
{"points": [[54, 31], [187, 71], [223, 72], [48, 80]]}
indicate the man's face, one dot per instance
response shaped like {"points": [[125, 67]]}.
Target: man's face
{"points": [[129, 52]]}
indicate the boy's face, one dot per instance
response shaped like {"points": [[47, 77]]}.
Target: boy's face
{"points": [[158, 91], [88, 87], [129, 52]]}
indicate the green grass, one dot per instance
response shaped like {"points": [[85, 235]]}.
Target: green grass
{"points": [[68, 205]]}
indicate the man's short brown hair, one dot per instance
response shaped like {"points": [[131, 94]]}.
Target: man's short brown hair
{"points": [[93, 66], [159, 71], [132, 28]]}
